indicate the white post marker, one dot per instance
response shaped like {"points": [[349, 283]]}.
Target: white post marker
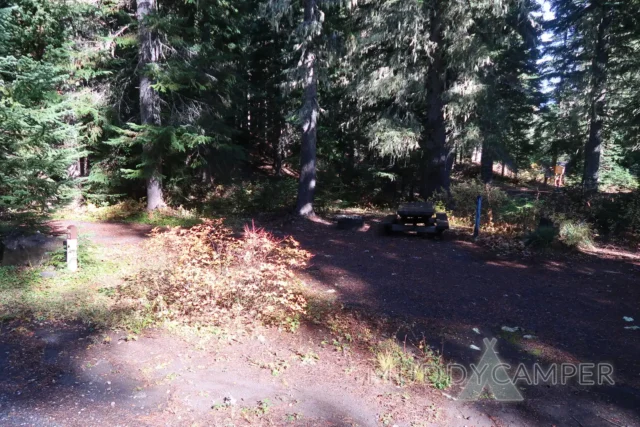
{"points": [[72, 248]]}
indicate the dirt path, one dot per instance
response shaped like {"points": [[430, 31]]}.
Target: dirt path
{"points": [[57, 374], [105, 233], [73, 377], [68, 375], [573, 308]]}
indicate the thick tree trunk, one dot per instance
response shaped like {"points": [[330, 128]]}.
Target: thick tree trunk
{"points": [[310, 112], [486, 163], [593, 147], [436, 155], [149, 102]]}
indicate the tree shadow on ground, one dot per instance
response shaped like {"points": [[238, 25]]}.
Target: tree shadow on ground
{"points": [[44, 373], [77, 373], [47, 380], [572, 306]]}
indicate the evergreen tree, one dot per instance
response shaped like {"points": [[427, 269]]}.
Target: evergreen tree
{"points": [[509, 91], [149, 100], [40, 136], [590, 47]]}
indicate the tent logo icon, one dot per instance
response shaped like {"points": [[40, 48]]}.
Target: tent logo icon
{"points": [[490, 374]]}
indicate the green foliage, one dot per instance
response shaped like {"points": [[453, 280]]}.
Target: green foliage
{"points": [[581, 69], [44, 68], [134, 212], [86, 255], [631, 215], [13, 278], [229, 84], [576, 234], [614, 175], [608, 213], [65, 296], [405, 366], [34, 135], [463, 201], [542, 236], [260, 197], [522, 212]]}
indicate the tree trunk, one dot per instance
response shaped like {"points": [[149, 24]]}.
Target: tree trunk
{"points": [[593, 147], [436, 155], [309, 114], [149, 102], [486, 163]]}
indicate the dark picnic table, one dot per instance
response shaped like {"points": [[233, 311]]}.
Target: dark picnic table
{"points": [[416, 217]]}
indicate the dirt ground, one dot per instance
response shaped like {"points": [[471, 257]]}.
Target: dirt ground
{"points": [[450, 292]]}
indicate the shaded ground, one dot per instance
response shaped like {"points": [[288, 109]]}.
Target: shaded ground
{"points": [[68, 374], [63, 375], [573, 307]]}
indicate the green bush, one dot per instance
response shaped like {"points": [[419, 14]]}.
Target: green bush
{"points": [[614, 213], [275, 195], [263, 196], [632, 213], [542, 236], [463, 200], [576, 234], [521, 211]]}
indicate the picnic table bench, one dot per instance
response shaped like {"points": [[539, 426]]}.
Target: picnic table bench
{"points": [[416, 217]]}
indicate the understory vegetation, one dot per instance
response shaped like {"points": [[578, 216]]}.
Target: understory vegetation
{"points": [[535, 216], [204, 275], [50, 293]]}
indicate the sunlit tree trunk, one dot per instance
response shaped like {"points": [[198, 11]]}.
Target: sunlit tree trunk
{"points": [[593, 147], [436, 155], [149, 102], [309, 115]]}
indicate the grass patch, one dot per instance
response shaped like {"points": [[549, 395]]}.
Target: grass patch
{"points": [[66, 296], [132, 211], [51, 293], [14, 278], [405, 366], [576, 234], [164, 218]]}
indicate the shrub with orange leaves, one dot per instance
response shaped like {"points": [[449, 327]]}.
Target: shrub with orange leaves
{"points": [[205, 275]]}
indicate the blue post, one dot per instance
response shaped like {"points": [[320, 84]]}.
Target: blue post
{"points": [[476, 229]]}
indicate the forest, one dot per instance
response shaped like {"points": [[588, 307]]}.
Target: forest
{"points": [[291, 106], [319, 212]]}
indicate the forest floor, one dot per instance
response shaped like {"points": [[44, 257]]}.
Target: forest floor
{"points": [[452, 293]]}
